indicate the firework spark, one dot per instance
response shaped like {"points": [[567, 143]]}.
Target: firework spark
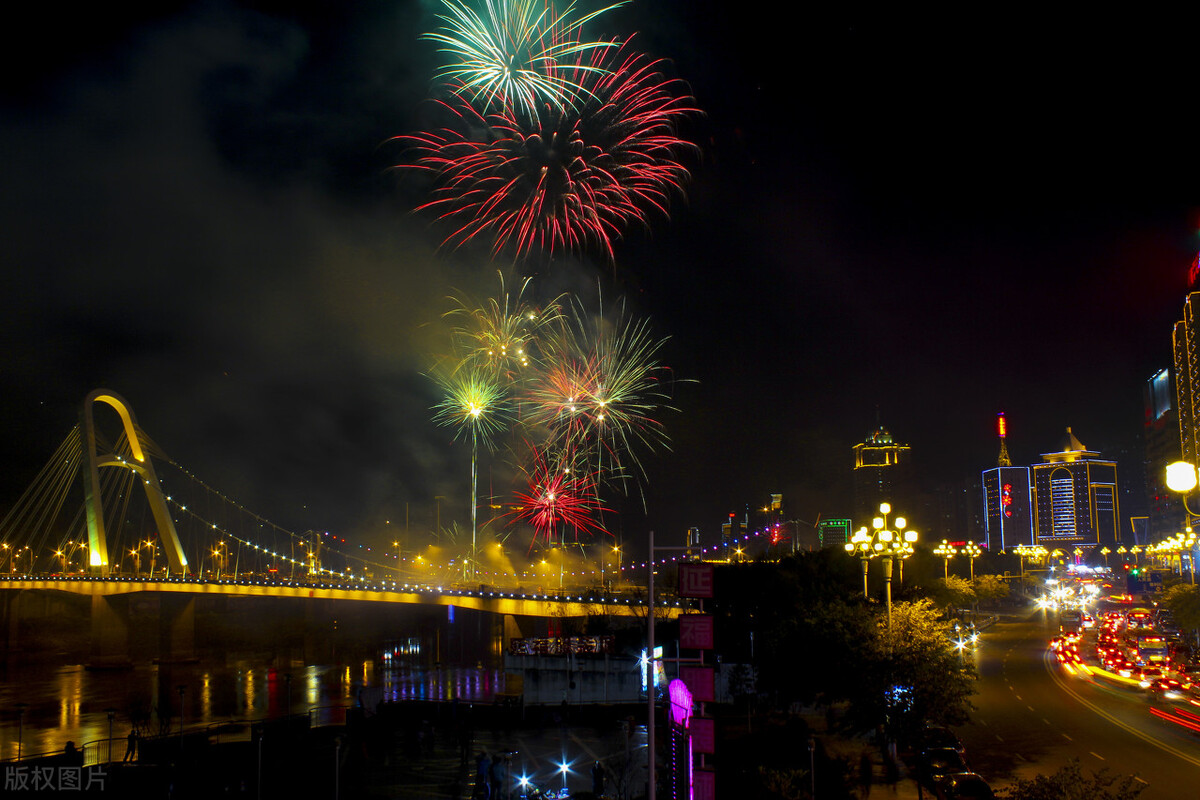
{"points": [[603, 390], [499, 334], [475, 403], [510, 56], [569, 178]]}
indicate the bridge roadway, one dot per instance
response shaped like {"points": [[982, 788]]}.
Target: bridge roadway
{"points": [[490, 600]]}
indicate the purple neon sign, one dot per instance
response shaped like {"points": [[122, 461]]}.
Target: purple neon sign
{"points": [[681, 702]]}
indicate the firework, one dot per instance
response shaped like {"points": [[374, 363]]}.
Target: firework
{"points": [[474, 402], [499, 333], [567, 178], [559, 498], [602, 390], [510, 56]]}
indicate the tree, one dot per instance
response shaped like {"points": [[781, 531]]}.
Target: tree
{"points": [[1184, 601], [913, 674], [953, 592], [989, 588], [1069, 783]]}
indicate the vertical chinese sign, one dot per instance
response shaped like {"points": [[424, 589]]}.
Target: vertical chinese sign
{"points": [[696, 633]]}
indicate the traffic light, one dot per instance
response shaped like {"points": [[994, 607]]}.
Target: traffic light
{"points": [[1134, 571], [1126, 567]]}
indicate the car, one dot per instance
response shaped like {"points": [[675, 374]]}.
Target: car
{"points": [[936, 736], [1147, 675], [963, 786], [1169, 688], [936, 762]]}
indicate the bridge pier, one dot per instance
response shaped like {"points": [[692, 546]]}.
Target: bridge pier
{"points": [[110, 633], [11, 617], [177, 629]]}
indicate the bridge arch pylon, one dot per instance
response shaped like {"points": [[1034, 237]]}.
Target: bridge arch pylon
{"points": [[141, 464]]}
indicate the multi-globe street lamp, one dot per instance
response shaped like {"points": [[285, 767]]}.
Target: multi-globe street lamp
{"points": [[947, 551], [1032, 552], [972, 551], [890, 543], [861, 545], [896, 545], [1174, 547]]}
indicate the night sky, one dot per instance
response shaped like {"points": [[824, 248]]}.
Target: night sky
{"points": [[931, 219]]}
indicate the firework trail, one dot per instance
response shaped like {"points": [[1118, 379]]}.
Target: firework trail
{"points": [[510, 56], [568, 177], [473, 402]]}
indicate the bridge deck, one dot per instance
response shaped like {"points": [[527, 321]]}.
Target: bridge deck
{"points": [[494, 601]]}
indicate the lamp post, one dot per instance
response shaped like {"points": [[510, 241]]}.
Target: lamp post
{"points": [[180, 688], [20, 726], [1104, 551], [112, 713], [1137, 554], [860, 544], [972, 552], [893, 545], [1181, 479], [947, 551]]}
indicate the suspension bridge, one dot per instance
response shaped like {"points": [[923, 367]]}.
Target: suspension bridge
{"points": [[110, 517]]}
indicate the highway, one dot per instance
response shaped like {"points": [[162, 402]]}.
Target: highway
{"points": [[1033, 716]]}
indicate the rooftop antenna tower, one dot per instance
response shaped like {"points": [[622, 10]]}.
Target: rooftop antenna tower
{"points": [[1002, 429]]}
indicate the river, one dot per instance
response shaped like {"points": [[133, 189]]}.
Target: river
{"points": [[44, 705]]}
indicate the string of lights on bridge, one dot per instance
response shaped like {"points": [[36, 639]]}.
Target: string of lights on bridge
{"points": [[419, 562]]}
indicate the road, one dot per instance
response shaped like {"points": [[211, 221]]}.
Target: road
{"points": [[1034, 717]]}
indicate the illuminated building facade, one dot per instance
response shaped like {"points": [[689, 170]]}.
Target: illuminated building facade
{"points": [[1008, 517], [882, 474], [1160, 437], [1075, 498], [1187, 379], [1008, 514]]}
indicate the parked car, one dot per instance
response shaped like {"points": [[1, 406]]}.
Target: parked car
{"points": [[963, 786], [937, 762], [937, 736]]}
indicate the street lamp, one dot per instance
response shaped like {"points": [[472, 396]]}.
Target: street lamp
{"points": [[890, 544], [1104, 551], [946, 551], [893, 545], [860, 543], [1181, 478], [20, 726], [972, 552]]}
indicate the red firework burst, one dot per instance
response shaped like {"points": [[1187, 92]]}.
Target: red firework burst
{"points": [[559, 499], [574, 176]]}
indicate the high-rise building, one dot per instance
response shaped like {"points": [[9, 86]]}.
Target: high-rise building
{"points": [[1008, 513], [1075, 498], [882, 474], [1185, 346]]}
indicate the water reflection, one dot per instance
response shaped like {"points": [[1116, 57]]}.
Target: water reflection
{"points": [[69, 703]]}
